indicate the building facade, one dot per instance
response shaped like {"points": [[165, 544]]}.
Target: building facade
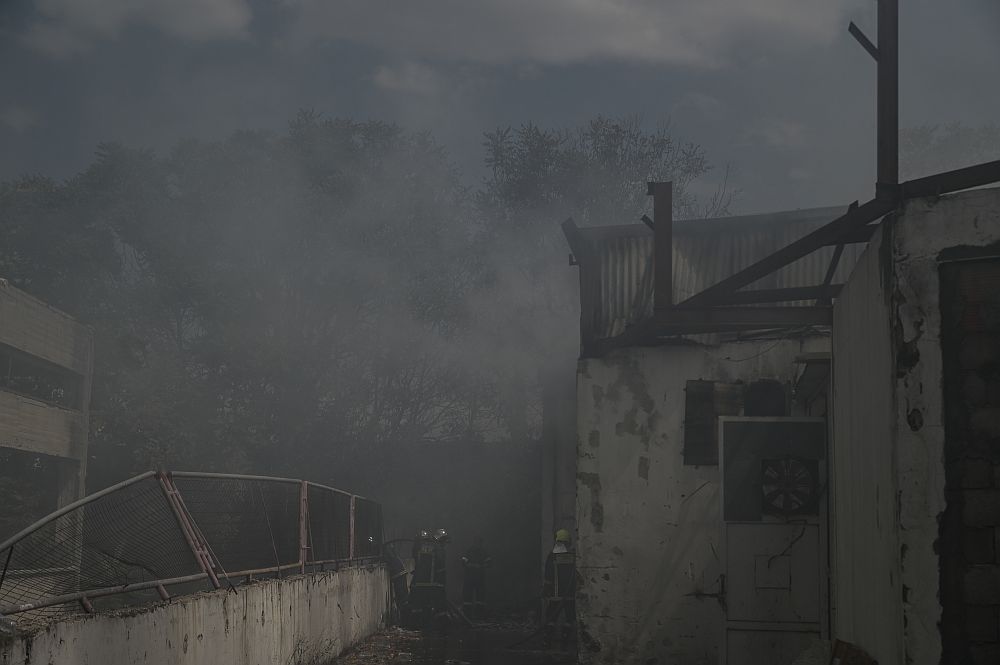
{"points": [[46, 365]]}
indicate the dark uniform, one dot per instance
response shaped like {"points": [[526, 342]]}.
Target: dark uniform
{"points": [[397, 576], [559, 591], [475, 562], [428, 598]]}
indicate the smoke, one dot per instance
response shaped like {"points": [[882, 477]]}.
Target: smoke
{"points": [[568, 31], [64, 28]]}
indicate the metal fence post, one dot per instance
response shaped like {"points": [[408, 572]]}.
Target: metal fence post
{"points": [[351, 536], [198, 549], [303, 525]]}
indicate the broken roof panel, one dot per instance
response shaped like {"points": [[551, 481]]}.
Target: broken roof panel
{"points": [[616, 262]]}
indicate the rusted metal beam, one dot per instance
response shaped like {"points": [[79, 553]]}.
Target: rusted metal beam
{"points": [[859, 235], [198, 549], [831, 270], [886, 184], [953, 181], [679, 319], [351, 545], [829, 234], [663, 248], [788, 294], [863, 40]]}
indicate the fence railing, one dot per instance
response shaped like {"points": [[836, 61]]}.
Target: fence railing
{"points": [[166, 534]]}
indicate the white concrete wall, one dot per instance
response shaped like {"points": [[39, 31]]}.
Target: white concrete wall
{"points": [[302, 620], [648, 526], [866, 594]]}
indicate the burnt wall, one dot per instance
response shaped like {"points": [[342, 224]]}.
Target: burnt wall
{"points": [[970, 526]]}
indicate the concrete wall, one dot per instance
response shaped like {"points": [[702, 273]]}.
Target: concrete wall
{"points": [[300, 620], [928, 232], [866, 594], [43, 331], [890, 443], [648, 526], [26, 424]]}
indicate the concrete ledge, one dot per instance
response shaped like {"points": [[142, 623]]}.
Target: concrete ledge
{"points": [[302, 620]]}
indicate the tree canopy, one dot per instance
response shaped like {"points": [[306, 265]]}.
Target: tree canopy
{"points": [[294, 301]]}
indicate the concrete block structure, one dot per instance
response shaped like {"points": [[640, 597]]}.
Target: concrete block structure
{"points": [[46, 368], [907, 379], [656, 575]]}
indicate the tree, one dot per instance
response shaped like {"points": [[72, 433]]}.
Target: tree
{"points": [[307, 303], [597, 174]]}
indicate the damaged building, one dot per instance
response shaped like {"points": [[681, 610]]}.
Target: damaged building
{"points": [[46, 364], [753, 483], [788, 425], [650, 540]]}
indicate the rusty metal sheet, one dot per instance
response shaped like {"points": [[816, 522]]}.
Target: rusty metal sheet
{"points": [[617, 277]]}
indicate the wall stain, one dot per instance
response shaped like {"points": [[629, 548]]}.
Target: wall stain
{"points": [[594, 439], [631, 377], [598, 393], [644, 468], [907, 351], [593, 482]]}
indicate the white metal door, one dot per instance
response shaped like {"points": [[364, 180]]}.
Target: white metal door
{"points": [[774, 526]]}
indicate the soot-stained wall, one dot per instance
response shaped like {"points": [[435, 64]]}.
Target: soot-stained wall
{"points": [[916, 577], [649, 526]]}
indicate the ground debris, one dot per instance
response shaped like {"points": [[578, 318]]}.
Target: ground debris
{"points": [[391, 646], [494, 643]]}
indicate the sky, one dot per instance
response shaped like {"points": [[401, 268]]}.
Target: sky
{"points": [[775, 89]]}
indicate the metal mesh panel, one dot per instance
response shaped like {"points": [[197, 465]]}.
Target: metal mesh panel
{"points": [[121, 538], [145, 531], [249, 524], [367, 528], [329, 524]]}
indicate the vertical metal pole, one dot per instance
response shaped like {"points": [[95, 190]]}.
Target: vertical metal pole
{"points": [[888, 99], [663, 245], [351, 537], [303, 525]]}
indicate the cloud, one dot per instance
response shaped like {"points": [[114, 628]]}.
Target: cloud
{"points": [[682, 32], [698, 102], [799, 174], [780, 133], [18, 119], [409, 77], [66, 27]]}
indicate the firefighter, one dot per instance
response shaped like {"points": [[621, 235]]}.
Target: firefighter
{"points": [[559, 590], [428, 597], [397, 577], [474, 564]]}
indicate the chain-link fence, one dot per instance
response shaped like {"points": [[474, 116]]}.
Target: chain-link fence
{"points": [[160, 535]]}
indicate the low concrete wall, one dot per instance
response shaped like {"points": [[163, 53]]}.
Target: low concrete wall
{"points": [[301, 620]]}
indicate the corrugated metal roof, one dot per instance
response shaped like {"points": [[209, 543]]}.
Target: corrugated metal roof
{"points": [[617, 265]]}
